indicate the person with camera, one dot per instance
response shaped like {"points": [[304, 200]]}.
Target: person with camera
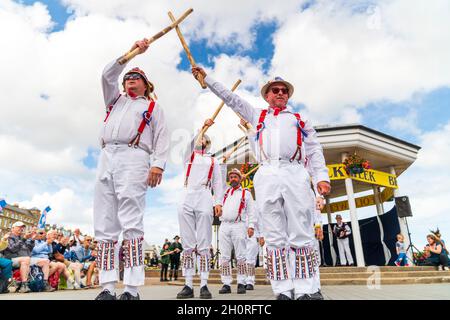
{"points": [[342, 231]]}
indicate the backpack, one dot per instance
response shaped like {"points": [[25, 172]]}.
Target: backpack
{"points": [[36, 279]]}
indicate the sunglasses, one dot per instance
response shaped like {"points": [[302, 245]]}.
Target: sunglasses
{"points": [[132, 76], [277, 90]]}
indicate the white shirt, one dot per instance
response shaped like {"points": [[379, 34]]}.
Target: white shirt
{"points": [[126, 116], [198, 176], [280, 132], [230, 209]]}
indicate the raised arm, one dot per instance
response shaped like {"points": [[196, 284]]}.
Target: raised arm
{"points": [[111, 73], [231, 99]]}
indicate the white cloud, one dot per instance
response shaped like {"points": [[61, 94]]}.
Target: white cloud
{"points": [[338, 57]]}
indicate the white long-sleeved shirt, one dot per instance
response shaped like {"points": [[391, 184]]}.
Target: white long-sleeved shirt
{"points": [[198, 176], [230, 209], [126, 116], [280, 132]]}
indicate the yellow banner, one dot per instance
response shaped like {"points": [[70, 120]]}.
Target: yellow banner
{"points": [[361, 202], [337, 172]]}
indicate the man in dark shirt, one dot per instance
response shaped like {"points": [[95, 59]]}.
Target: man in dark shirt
{"points": [[175, 257]]}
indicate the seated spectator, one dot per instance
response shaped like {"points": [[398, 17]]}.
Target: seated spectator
{"points": [[5, 266], [87, 258], [436, 254], [19, 252], [77, 239], [40, 256], [57, 260], [63, 254]]}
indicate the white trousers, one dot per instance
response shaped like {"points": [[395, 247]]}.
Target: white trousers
{"points": [[252, 251], [195, 217], [232, 235], [119, 203], [286, 202], [345, 253], [317, 276]]}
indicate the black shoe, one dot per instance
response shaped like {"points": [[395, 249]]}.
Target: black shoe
{"points": [[225, 289], [128, 296], [283, 297], [316, 296], [305, 297], [249, 287], [241, 289], [161, 280], [186, 293], [204, 293], [106, 295]]}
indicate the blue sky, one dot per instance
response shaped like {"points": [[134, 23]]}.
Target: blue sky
{"points": [[424, 111]]}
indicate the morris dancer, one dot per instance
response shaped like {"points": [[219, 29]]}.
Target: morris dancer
{"points": [[282, 184], [195, 217], [135, 145], [237, 222]]}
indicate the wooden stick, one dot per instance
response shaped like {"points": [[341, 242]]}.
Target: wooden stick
{"points": [[250, 172], [241, 141], [188, 52], [244, 130], [204, 129], [133, 53], [248, 125]]}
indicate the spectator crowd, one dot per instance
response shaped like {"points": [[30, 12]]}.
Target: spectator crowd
{"points": [[46, 261]]}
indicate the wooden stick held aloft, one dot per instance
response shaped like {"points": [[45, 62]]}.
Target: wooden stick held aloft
{"points": [[228, 155], [203, 131], [188, 52], [133, 53]]}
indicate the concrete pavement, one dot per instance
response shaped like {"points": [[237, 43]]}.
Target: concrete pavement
{"points": [[354, 292]]}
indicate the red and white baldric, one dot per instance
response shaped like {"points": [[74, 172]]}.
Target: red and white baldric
{"points": [[146, 118], [189, 167], [300, 133], [241, 204]]}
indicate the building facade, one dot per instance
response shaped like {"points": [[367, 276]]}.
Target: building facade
{"points": [[12, 214]]}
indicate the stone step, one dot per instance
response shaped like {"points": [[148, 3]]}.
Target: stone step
{"points": [[344, 281], [401, 274], [338, 271]]}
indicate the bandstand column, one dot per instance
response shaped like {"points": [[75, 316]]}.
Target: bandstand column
{"points": [[354, 218], [330, 230]]}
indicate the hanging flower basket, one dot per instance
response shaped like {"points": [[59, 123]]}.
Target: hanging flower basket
{"points": [[354, 164]]}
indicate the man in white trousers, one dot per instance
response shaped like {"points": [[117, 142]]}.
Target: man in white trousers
{"points": [[237, 222], [252, 247], [282, 185], [342, 231], [203, 190], [135, 145]]}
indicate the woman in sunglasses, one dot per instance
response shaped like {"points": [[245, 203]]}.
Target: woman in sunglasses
{"points": [[284, 143], [135, 147]]}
